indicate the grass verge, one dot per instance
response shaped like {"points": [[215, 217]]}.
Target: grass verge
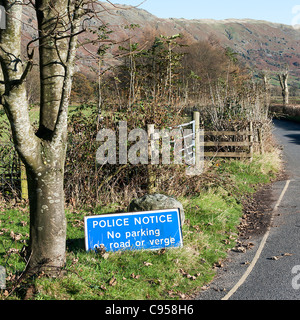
{"points": [[209, 233]]}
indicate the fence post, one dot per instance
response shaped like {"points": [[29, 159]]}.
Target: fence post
{"points": [[24, 185], [151, 173], [197, 169], [251, 140], [196, 117], [260, 140]]}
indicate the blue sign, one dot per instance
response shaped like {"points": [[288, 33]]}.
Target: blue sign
{"points": [[134, 231]]}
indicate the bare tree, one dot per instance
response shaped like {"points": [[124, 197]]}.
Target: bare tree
{"points": [[283, 79], [59, 22], [265, 76]]}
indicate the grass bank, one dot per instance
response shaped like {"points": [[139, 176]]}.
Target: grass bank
{"points": [[209, 233]]}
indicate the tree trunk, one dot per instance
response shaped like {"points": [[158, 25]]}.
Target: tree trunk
{"points": [[283, 79], [52, 55], [43, 153], [266, 81], [47, 221], [285, 95]]}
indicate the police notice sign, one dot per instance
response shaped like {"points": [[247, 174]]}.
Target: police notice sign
{"points": [[134, 231]]}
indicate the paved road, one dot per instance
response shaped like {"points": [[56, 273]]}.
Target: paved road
{"points": [[266, 271]]}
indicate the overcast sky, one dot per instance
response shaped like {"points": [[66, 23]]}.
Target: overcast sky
{"points": [[271, 10]]}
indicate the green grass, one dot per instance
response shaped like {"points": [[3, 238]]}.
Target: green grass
{"points": [[211, 221], [247, 176], [210, 231]]}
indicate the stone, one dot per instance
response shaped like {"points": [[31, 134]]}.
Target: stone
{"points": [[151, 202]]}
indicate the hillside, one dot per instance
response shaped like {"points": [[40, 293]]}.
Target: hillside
{"points": [[262, 45]]}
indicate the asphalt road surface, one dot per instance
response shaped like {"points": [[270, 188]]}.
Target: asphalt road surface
{"points": [[270, 269]]}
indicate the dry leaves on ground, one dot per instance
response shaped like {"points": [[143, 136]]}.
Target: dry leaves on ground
{"points": [[280, 256]]}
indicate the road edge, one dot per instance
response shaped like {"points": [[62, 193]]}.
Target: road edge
{"points": [[260, 249]]}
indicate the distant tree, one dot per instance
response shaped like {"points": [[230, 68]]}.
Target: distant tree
{"points": [[205, 65], [283, 80], [265, 76], [231, 54], [82, 88], [151, 71], [33, 86]]}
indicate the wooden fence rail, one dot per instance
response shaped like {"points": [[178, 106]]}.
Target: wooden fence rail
{"points": [[247, 143]]}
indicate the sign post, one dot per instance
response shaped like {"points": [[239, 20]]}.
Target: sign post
{"points": [[134, 231]]}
